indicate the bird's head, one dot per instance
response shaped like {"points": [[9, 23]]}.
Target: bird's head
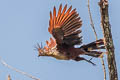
{"points": [[46, 50]]}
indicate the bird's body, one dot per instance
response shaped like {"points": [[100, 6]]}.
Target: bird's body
{"points": [[65, 28]]}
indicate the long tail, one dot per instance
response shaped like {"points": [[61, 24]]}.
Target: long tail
{"points": [[93, 47]]}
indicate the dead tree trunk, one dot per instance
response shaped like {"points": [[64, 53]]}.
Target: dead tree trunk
{"points": [[108, 40]]}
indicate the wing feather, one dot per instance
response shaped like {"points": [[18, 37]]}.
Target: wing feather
{"points": [[50, 23], [62, 15], [59, 13], [73, 20], [54, 17], [71, 24], [73, 33], [68, 17], [65, 27], [66, 14]]}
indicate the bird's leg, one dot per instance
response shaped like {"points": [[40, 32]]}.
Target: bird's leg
{"points": [[81, 58]]}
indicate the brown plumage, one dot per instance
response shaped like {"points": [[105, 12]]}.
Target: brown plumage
{"points": [[65, 28]]}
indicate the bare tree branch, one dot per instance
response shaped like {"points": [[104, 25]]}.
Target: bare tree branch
{"points": [[91, 20], [8, 77], [108, 39], [10, 67], [104, 69], [92, 25]]}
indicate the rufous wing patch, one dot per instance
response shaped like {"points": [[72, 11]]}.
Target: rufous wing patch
{"points": [[56, 21], [50, 44]]}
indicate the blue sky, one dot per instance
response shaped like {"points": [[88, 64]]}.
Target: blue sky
{"points": [[24, 23]]}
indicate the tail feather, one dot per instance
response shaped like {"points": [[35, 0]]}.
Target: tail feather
{"points": [[93, 47]]}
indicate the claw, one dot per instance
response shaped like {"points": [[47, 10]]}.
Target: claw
{"points": [[89, 61]]}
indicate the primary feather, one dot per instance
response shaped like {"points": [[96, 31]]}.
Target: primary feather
{"points": [[65, 27]]}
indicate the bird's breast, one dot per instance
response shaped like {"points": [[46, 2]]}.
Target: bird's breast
{"points": [[58, 54]]}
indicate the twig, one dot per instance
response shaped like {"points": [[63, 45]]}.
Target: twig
{"points": [[8, 77], [10, 67], [104, 69], [91, 21], [92, 25], [108, 40]]}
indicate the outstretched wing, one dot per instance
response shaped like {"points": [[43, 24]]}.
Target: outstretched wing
{"points": [[65, 26]]}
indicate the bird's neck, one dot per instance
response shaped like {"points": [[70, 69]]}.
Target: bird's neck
{"points": [[56, 54]]}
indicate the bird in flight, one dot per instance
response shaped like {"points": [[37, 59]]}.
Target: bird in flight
{"points": [[65, 26]]}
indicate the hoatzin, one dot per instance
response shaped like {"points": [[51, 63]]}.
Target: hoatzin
{"points": [[65, 28]]}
